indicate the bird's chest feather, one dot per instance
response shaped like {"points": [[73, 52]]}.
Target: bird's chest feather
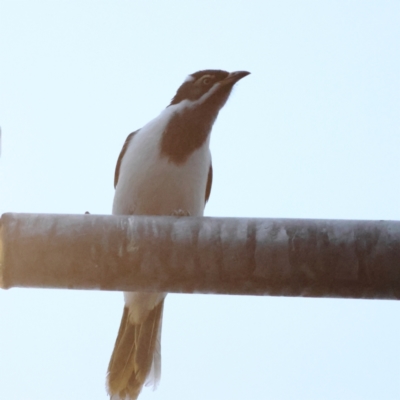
{"points": [[150, 183]]}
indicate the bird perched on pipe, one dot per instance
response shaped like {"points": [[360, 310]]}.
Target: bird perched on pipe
{"points": [[164, 168]]}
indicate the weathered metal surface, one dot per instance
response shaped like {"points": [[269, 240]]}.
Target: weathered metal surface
{"points": [[318, 258]]}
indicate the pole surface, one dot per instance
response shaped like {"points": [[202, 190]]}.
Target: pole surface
{"points": [[314, 258]]}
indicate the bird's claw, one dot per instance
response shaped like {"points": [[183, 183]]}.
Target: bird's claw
{"points": [[181, 213]]}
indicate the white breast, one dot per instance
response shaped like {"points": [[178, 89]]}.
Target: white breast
{"points": [[150, 184]]}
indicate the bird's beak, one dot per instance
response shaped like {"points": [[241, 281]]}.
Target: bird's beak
{"points": [[233, 77]]}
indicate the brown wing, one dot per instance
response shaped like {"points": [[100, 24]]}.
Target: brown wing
{"points": [[209, 182], [121, 156]]}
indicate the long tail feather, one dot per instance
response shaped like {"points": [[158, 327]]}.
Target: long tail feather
{"points": [[136, 354]]}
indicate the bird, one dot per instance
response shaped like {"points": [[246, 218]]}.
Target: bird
{"points": [[164, 168]]}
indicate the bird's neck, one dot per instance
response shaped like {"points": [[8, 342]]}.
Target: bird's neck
{"points": [[187, 131]]}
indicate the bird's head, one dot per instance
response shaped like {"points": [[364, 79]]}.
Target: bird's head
{"points": [[211, 86], [196, 105]]}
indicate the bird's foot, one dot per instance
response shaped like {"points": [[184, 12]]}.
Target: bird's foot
{"points": [[181, 213]]}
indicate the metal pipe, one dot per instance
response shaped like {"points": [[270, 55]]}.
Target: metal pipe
{"points": [[250, 256]]}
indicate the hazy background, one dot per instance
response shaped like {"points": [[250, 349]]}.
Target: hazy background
{"points": [[314, 132]]}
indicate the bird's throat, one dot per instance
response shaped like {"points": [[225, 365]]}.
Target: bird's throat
{"points": [[186, 132]]}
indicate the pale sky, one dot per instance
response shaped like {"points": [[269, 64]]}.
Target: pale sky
{"points": [[313, 132]]}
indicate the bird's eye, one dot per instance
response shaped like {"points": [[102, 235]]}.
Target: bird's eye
{"points": [[206, 81]]}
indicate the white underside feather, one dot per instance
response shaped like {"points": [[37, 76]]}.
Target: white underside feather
{"points": [[150, 184]]}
